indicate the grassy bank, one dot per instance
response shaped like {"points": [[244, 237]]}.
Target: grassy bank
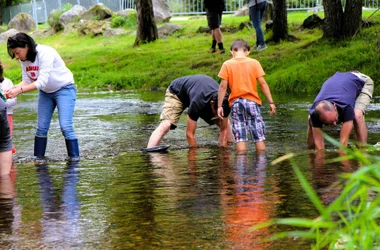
{"points": [[300, 66]]}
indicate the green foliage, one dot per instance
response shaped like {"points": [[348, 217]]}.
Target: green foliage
{"points": [[352, 220], [124, 21], [54, 16], [53, 20], [118, 21], [67, 7]]}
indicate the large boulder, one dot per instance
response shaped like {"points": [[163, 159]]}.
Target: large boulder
{"points": [[22, 22], [97, 12], [312, 22], [91, 27], [125, 13], [5, 35], [243, 11], [72, 16], [42, 33], [268, 14], [110, 32], [168, 29], [161, 11]]}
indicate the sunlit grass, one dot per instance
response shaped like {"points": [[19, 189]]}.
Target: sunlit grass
{"points": [[299, 66]]}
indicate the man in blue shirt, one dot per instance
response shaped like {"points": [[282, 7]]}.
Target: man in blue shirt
{"points": [[343, 98]]}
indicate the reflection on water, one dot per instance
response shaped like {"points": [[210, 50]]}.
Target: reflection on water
{"points": [[60, 206], [326, 176], [247, 204], [118, 197]]}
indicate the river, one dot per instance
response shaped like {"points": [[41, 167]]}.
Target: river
{"points": [[117, 197]]}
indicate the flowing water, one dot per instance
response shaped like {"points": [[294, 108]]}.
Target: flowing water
{"points": [[120, 198]]}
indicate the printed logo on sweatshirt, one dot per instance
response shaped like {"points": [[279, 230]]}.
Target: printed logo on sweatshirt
{"points": [[32, 72], [32, 68]]}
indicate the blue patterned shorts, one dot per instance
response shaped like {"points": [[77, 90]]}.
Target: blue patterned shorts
{"points": [[246, 116]]}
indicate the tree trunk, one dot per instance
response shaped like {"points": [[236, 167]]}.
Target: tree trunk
{"points": [[339, 24], [1, 12], [280, 20], [146, 26], [352, 17], [332, 27]]}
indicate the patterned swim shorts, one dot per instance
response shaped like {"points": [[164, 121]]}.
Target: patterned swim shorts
{"points": [[246, 116]]}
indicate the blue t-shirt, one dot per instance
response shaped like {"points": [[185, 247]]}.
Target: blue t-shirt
{"points": [[342, 89], [196, 93]]}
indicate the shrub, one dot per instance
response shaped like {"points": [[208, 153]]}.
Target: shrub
{"points": [[124, 21], [352, 220], [53, 20]]}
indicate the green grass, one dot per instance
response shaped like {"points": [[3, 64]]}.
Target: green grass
{"points": [[300, 66]]}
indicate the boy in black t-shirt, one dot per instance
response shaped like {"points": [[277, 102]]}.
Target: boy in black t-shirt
{"points": [[198, 93]]}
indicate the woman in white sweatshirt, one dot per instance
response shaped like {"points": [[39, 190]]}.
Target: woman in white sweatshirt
{"points": [[10, 104], [43, 69]]}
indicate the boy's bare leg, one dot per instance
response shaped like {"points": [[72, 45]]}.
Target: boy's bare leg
{"points": [[310, 137], [5, 162], [217, 34], [159, 133], [241, 147], [260, 146], [361, 130], [231, 137]]}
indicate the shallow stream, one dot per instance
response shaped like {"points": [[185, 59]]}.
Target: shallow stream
{"points": [[120, 198]]}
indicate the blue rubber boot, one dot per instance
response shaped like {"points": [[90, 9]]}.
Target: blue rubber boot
{"points": [[72, 150], [40, 148]]}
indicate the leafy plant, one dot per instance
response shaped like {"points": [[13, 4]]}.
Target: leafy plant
{"points": [[124, 21], [352, 220], [53, 19], [67, 7]]}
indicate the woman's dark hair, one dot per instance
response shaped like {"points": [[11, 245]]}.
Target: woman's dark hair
{"points": [[1, 72], [20, 40]]}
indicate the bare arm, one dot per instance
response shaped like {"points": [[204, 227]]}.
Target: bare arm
{"points": [[223, 136], [319, 141], [345, 132], [190, 132], [20, 88], [266, 91], [221, 93]]}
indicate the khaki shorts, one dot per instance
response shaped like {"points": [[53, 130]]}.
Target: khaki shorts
{"points": [[365, 96], [172, 110]]}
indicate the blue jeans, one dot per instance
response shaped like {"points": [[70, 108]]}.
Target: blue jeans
{"points": [[257, 13], [64, 100]]}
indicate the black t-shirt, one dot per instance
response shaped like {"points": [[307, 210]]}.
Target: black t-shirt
{"points": [[341, 89], [195, 93]]}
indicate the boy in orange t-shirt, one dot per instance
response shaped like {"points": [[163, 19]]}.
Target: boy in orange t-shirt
{"points": [[241, 73]]}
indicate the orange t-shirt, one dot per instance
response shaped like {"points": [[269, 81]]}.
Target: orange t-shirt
{"points": [[241, 74]]}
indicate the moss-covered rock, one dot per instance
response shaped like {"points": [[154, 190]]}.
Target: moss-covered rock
{"points": [[98, 12], [22, 22]]}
